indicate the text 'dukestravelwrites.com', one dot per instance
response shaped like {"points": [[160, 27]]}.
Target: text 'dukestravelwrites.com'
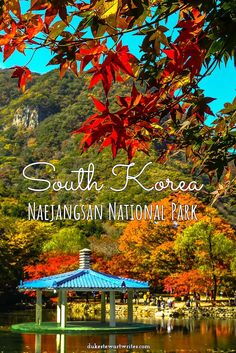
{"points": [[117, 346]]}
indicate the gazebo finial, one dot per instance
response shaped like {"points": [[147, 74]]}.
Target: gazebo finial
{"points": [[84, 259]]}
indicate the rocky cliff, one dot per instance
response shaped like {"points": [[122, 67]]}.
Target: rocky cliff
{"points": [[26, 117]]}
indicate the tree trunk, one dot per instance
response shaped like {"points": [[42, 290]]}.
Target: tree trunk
{"points": [[215, 287]]}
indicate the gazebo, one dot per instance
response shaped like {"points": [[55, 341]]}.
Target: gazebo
{"points": [[84, 280]]}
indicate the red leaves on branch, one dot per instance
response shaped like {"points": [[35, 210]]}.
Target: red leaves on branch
{"points": [[23, 74], [129, 128], [34, 26], [68, 64], [185, 53], [183, 57], [91, 52], [116, 63], [18, 34], [53, 8], [7, 40], [137, 122], [170, 69], [191, 27], [10, 34]]}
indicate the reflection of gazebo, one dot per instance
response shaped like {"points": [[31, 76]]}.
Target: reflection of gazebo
{"points": [[84, 280]]}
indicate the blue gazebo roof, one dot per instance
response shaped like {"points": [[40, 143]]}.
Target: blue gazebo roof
{"points": [[84, 280]]}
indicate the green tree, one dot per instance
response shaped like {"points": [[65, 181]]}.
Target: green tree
{"points": [[68, 240], [21, 244], [202, 247]]}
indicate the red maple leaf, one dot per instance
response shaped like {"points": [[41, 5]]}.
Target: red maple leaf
{"points": [[23, 74], [53, 8], [115, 63]]}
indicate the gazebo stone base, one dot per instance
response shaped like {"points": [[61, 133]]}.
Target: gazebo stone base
{"points": [[82, 327]]}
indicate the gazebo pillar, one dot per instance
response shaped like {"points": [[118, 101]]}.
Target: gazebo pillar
{"points": [[103, 307], [38, 316], [112, 309], [63, 308], [130, 306], [59, 307]]}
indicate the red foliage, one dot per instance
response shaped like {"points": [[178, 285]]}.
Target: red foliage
{"points": [[23, 74], [171, 109], [51, 265], [187, 282], [53, 8], [132, 127], [127, 128], [118, 266]]}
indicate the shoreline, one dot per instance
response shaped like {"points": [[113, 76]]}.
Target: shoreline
{"points": [[76, 310]]}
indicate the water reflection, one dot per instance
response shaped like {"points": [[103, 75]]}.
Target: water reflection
{"points": [[64, 343], [38, 343], [171, 336]]}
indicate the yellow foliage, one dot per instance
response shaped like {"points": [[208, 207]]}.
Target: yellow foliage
{"points": [[31, 142], [107, 10]]}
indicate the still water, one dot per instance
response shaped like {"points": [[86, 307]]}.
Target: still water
{"points": [[171, 336]]}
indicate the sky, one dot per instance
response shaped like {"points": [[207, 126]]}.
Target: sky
{"points": [[221, 84]]}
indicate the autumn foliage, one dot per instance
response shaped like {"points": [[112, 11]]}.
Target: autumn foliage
{"points": [[157, 251], [187, 282], [175, 255], [51, 264]]}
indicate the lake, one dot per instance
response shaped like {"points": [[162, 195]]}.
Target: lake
{"points": [[171, 336]]}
